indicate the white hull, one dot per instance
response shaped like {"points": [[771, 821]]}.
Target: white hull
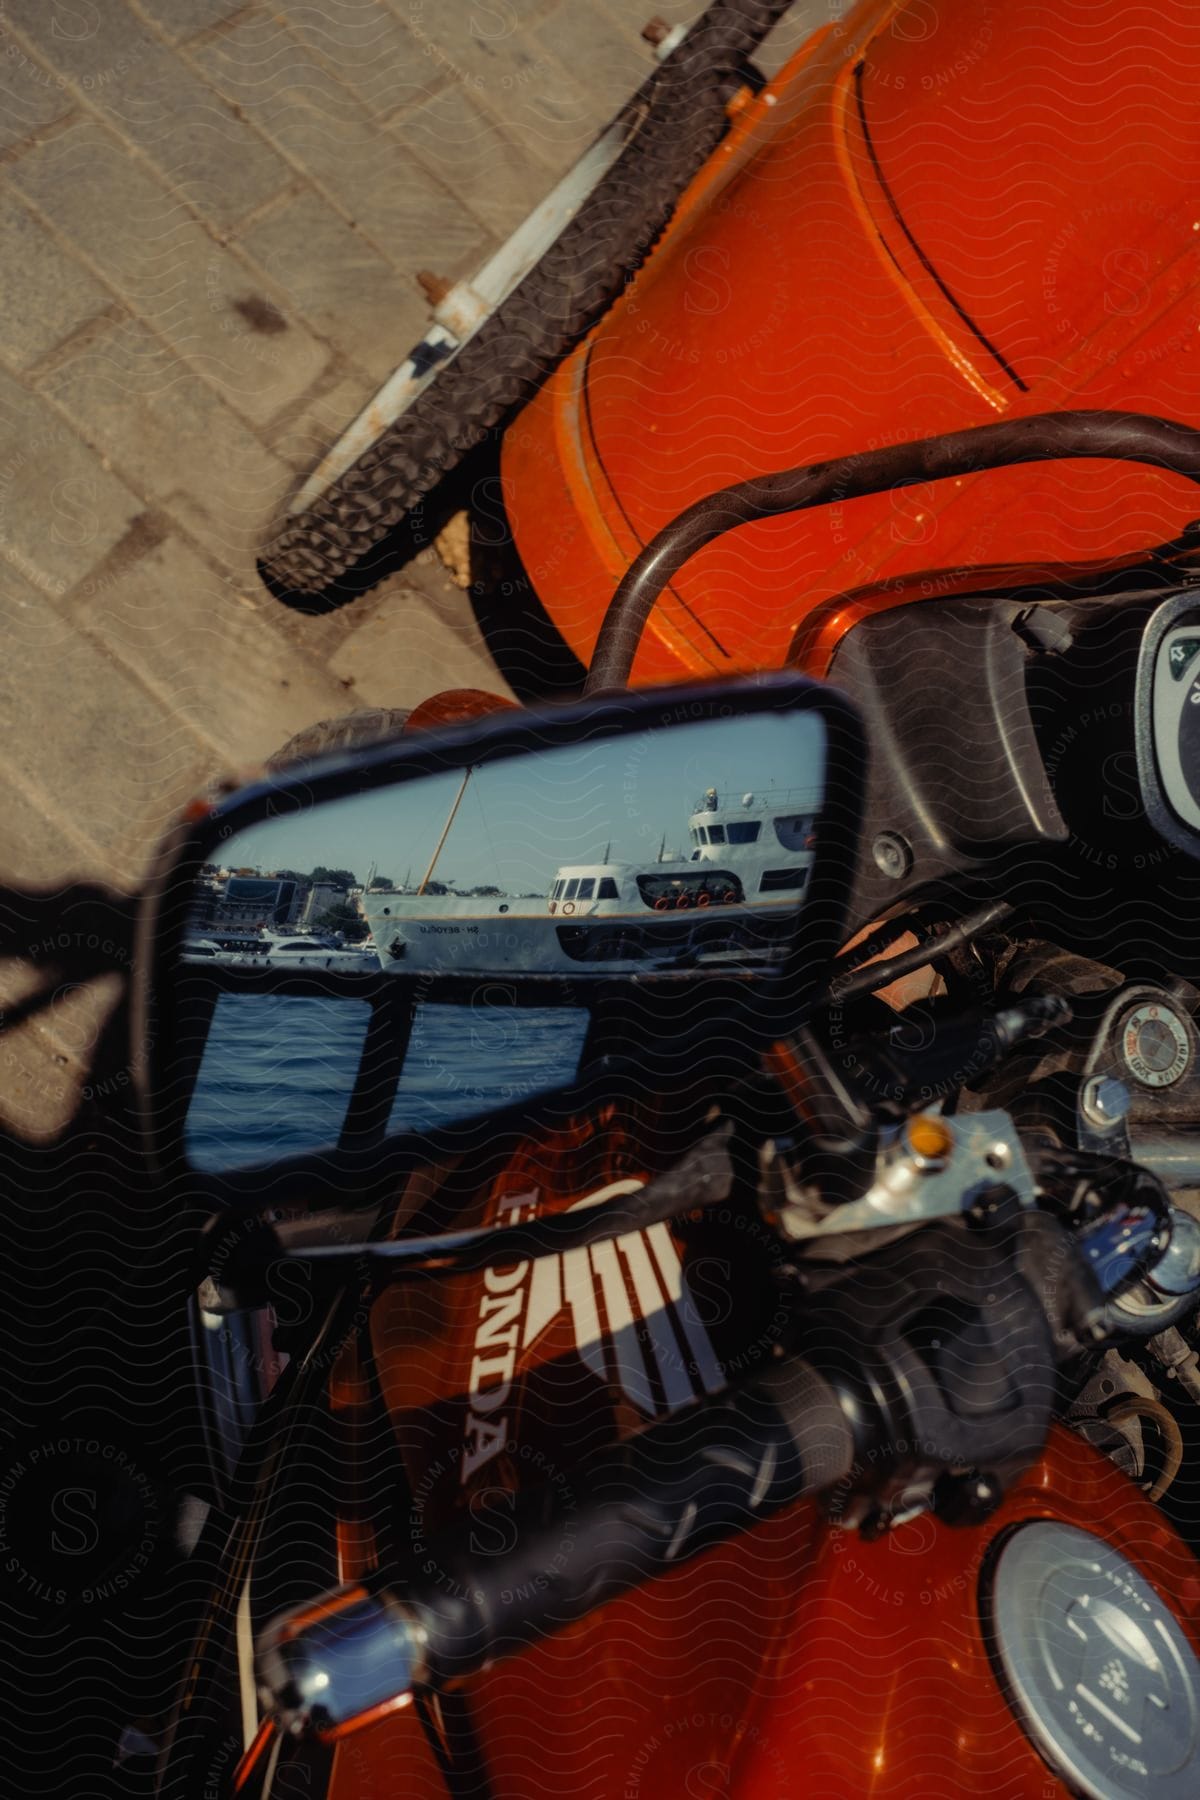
{"points": [[353, 962], [415, 939]]}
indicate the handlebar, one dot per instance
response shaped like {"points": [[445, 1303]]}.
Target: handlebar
{"points": [[678, 1488], [924, 1374], [881, 1403]]}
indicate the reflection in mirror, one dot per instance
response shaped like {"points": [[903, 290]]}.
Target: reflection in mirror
{"points": [[275, 1079], [463, 1062], [678, 848], [685, 848]]}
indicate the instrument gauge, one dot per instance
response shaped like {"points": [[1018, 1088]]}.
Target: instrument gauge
{"points": [[1156, 1046], [1176, 716]]}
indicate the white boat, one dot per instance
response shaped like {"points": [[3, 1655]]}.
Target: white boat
{"points": [[280, 950], [731, 899]]}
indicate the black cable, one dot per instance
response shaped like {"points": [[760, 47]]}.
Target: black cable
{"points": [[877, 975]]}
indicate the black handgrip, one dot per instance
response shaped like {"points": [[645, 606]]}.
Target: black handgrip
{"points": [[678, 1488], [671, 1492]]}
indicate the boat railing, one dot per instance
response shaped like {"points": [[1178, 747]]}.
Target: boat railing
{"points": [[776, 799]]}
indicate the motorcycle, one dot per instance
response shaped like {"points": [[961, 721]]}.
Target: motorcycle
{"points": [[935, 216], [740, 1346]]}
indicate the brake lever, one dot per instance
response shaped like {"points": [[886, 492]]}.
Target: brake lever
{"points": [[704, 1177]]}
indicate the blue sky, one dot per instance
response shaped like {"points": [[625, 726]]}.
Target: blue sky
{"points": [[521, 818]]}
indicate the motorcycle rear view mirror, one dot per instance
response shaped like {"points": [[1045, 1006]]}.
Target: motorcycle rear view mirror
{"points": [[410, 937]]}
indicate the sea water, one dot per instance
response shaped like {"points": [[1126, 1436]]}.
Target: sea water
{"points": [[278, 1071]]}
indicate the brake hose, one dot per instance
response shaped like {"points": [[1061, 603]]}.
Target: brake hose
{"points": [[1048, 437], [1141, 1406]]}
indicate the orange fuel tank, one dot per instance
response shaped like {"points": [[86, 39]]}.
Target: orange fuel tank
{"points": [[940, 214]]}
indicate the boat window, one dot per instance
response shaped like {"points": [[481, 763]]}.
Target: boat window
{"points": [[572, 889], [794, 833], [704, 886], [558, 888], [744, 831], [586, 888], [774, 880], [607, 889], [716, 834], [697, 835]]}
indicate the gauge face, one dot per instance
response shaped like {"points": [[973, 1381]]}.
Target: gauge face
{"points": [[1177, 720], [1155, 1044]]}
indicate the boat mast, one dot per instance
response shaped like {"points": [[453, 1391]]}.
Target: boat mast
{"points": [[445, 833]]}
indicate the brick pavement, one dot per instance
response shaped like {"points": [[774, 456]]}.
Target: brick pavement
{"points": [[212, 212]]}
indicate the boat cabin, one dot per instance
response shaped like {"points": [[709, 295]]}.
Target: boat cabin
{"points": [[747, 848]]}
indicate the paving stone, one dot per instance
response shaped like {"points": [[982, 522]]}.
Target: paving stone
{"points": [[306, 438], [231, 546], [19, 977], [376, 182], [70, 1015], [155, 101], [261, 67], [76, 1018], [37, 844], [29, 622], [30, 96], [40, 1087], [543, 106], [593, 49], [339, 283], [163, 426], [44, 293], [61, 510], [474, 42], [97, 46], [214, 649], [34, 848], [182, 19], [490, 173], [218, 163], [108, 754], [488, 50], [368, 49], [207, 305], [410, 648]]}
